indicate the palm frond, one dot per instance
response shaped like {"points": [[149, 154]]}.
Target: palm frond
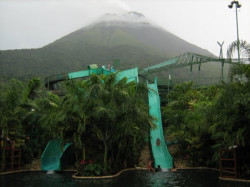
{"points": [[244, 48]]}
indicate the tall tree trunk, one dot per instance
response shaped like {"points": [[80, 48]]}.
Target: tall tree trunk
{"points": [[3, 154], [126, 154], [84, 152], [105, 157]]}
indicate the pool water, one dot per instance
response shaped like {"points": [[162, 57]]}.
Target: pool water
{"points": [[187, 178]]}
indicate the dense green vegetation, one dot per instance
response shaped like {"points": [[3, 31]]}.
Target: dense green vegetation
{"points": [[207, 119], [107, 121], [18, 119]]}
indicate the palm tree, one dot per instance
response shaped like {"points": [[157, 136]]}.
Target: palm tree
{"points": [[16, 108], [244, 48], [118, 113], [239, 69]]}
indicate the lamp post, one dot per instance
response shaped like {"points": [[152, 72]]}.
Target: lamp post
{"points": [[237, 5]]}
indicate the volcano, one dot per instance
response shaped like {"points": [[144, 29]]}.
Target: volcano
{"points": [[129, 39]]}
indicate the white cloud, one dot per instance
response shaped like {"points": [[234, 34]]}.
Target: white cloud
{"points": [[35, 23], [117, 6]]}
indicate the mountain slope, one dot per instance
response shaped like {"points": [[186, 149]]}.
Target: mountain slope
{"points": [[131, 38]]}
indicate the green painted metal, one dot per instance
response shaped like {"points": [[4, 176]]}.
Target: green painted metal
{"points": [[131, 74], [186, 59], [51, 157], [161, 154], [105, 72], [85, 73], [159, 66], [92, 66]]}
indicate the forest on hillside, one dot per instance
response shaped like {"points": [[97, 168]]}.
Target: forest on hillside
{"points": [[135, 46]]}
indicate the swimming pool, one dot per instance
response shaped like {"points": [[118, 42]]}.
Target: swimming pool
{"points": [[187, 178]]}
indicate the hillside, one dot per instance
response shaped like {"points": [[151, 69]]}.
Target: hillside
{"points": [[131, 38]]}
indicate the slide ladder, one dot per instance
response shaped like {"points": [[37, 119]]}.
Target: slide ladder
{"points": [[160, 152]]}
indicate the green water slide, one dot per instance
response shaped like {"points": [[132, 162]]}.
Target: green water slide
{"points": [[131, 74], [51, 157], [160, 152], [92, 69]]}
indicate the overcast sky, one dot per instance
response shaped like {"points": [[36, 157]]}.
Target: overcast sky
{"points": [[35, 23]]}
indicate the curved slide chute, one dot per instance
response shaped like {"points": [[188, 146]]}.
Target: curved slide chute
{"points": [[160, 152], [51, 157], [131, 74]]}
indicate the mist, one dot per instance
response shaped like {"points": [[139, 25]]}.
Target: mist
{"points": [[35, 23]]}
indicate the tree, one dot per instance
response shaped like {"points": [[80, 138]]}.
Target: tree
{"points": [[232, 108], [186, 116], [244, 48], [239, 69], [16, 108]]}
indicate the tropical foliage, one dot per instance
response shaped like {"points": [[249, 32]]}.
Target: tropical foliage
{"points": [[244, 49], [17, 116], [207, 119], [107, 120], [186, 120]]}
